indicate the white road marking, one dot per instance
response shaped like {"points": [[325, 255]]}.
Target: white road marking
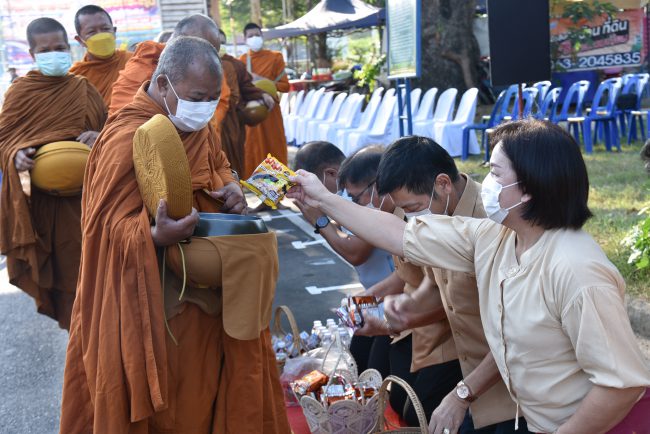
{"points": [[315, 290]]}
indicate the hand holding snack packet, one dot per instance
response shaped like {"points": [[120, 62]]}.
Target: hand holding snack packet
{"points": [[355, 309], [270, 181]]}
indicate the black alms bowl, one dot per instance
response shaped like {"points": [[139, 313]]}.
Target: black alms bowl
{"points": [[216, 224]]}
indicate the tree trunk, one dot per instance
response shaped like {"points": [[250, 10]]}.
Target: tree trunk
{"points": [[256, 12], [215, 11], [450, 53]]}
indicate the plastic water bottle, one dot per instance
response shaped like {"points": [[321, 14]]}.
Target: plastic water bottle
{"points": [[326, 340]]}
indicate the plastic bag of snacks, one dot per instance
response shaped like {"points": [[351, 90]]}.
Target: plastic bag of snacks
{"points": [[270, 181], [354, 309]]}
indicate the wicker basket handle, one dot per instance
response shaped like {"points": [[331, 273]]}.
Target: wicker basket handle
{"points": [[417, 405], [278, 330]]}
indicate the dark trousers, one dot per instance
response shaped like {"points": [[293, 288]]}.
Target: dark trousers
{"points": [[431, 384], [507, 427]]}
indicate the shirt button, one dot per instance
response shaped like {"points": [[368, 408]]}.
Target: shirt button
{"points": [[451, 308], [512, 271], [457, 332], [445, 281]]}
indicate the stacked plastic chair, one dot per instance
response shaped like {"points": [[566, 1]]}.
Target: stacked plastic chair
{"points": [[550, 104], [603, 113], [487, 123], [572, 108], [313, 126], [322, 108], [380, 131], [365, 123], [348, 117], [443, 113], [449, 134]]}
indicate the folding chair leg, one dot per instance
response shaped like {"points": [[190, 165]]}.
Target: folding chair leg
{"points": [[465, 150], [587, 136], [631, 132]]}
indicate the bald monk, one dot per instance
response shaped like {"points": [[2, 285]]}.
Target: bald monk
{"points": [[143, 63], [268, 136], [102, 62], [124, 373], [40, 235], [233, 133]]}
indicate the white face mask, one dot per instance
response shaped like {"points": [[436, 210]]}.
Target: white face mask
{"points": [[255, 43], [427, 210], [490, 192], [190, 115], [372, 196]]}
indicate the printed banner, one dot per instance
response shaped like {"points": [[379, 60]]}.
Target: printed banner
{"points": [[616, 42]]}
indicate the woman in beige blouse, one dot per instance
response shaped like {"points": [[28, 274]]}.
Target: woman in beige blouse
{"points": [[551, 302]]}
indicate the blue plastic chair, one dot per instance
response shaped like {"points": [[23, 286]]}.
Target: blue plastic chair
{"points": [[599, 133], [603, 113], [508, 99], [571, 111], [529, 95], [494, 119], [637, 84], [549, 106], [542, 89]]}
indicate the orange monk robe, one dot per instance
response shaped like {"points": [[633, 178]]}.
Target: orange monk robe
{"points": [[102, 73], [140, 68], [40, 235], [268, 136], [123, 373]]}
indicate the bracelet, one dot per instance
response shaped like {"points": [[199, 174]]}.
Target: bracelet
{"points": [[391, 332]]}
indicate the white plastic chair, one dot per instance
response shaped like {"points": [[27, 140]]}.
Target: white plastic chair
{"points": [[322, 108], [284, 104], [449, 134], [380, 132], [443, 112], [367, 117], [295, 101], [425, 110], [313, 127], [348, 117], [290, 121]]}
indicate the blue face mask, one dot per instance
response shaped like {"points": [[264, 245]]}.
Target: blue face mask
{"points": [[54, 63]]}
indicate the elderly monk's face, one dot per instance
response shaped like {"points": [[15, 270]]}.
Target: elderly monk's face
{"points": [[94, 23], [198, 85], [46, 42]]}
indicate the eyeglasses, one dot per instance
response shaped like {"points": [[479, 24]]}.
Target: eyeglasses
{"points": [[357, 198]]}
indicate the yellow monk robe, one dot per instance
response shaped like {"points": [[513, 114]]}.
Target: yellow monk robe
{"points": [[40, 235], [123, 372], [140, 68], [102, 73], [268, 136]]}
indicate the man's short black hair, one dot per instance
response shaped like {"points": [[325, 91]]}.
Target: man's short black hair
{"points": [[361, 167], [550, 168], [314, 157], [251, 26], [89, 10], [414, 162], [44, 25]]}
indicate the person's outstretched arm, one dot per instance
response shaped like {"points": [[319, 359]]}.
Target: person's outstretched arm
{"points": [[379, 228]]}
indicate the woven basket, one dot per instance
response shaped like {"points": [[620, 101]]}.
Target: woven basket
{"points": [[347, 416], [382, 425], [279, 331], [162, 168]]}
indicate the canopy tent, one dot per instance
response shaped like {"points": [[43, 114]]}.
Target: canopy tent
{"points": [[330, 15]]}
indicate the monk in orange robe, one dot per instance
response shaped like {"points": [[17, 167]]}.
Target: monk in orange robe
{"points": [[233, 133], [102, 62], [268, 136], [39, 233], [124, 372], [145, 59]]}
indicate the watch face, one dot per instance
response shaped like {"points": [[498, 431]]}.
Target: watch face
{"points": [[322, 221], [462, 391]]}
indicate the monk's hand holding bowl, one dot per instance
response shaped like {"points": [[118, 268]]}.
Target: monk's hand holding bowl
{"points": [[23, 161], [88, 138], [308, 189], [268, 101], [168, 231], [233, 197]]}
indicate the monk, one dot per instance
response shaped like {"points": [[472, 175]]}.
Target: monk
{"points": [[40, 234], [233, 133], [140, 67], [268, 136], [102, 62], [124, 372]]}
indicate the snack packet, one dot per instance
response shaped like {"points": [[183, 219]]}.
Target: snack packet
{"points": [[270, 181]]}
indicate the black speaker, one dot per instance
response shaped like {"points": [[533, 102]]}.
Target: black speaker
{"points": [[520, 47]]}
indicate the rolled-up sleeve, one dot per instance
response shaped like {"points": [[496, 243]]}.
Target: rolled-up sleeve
{"points": [[600, 331], [442, 242]]}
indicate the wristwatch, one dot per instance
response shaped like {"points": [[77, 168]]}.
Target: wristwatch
{"points": [[463, 392], [321, 222]]}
